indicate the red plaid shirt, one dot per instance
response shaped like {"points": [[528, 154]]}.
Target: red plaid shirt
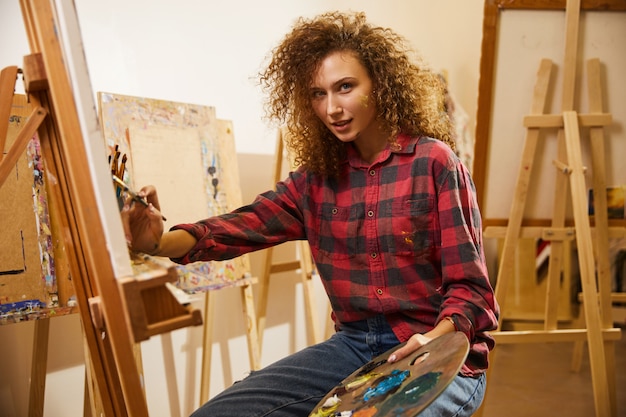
{"points": [[400, 237]]}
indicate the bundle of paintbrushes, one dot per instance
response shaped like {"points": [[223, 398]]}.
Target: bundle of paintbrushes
{"points": [[118, 169], [122, 190]]}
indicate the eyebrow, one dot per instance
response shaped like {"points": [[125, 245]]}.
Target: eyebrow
{"points": [[336, 83]]}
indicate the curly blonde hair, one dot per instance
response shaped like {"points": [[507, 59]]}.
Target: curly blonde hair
{"points": [[410, 98]]}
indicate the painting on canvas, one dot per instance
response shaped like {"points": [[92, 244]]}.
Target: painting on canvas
{"points": [[189, 156]]}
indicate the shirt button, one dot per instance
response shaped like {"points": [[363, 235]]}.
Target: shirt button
{"points": [[370, 213], [372, 172], [335, 211], [373, 254], [379, 291]]}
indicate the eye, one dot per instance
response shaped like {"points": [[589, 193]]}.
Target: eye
{"points": [[345, 87], [315, 94]]}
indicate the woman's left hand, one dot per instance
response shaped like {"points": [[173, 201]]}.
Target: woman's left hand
{"points": [[418, 340], [415, 342]]}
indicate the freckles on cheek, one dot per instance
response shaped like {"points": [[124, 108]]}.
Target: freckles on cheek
{"points": [[364, 100]]}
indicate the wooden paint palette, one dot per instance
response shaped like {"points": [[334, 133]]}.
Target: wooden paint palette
{"points": [[403, 388]]}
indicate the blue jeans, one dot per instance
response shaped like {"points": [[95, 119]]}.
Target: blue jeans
{"points": [[294, 385]]}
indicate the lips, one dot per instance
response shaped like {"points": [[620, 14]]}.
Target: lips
{"points": [[342, 125]]}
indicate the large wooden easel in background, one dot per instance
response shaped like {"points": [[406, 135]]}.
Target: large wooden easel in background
{"points": [[117, 307], [598, 329]]}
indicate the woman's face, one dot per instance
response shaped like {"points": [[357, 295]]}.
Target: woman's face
{"points": [[341, 96]]}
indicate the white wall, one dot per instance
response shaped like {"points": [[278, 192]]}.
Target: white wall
{"points": [[208, 52]]}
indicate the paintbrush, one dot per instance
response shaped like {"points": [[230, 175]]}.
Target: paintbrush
{"points": [[134, 195]]}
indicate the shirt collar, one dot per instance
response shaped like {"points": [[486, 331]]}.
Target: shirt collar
{"points": [[405, 144]]}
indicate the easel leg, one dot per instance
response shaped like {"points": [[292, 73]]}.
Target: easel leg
{"points": [[250, 320], [507, 260], [207, 343], [38, 368], [602, 238], [603, 264], [92, 406], [170, 374], [511, 240], [87, 411], [264, 288], [308, 290], [557, 246], [587, 266]]}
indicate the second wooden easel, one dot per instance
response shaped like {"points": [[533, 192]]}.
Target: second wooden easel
{"points": [[598, 332]]}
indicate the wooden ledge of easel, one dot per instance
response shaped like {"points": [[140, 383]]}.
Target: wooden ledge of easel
{"points": [[152, 308], [547, 336]]}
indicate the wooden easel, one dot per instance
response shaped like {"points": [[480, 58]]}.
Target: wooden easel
{"points": [[599, 332], [120, 113], [55, 301], [116, 310], [252, 335], [304, 265], [249, 315]]}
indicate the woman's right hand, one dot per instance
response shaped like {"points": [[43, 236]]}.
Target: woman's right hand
{"points": [[143, 226]]}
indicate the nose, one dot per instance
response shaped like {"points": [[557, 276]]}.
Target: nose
{"points": [[332, 105]]}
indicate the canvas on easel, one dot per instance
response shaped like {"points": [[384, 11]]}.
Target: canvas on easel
{"points": [[180, 149], [34, 281]]}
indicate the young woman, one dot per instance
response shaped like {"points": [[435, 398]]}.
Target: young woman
{"points": [[387, 207]]}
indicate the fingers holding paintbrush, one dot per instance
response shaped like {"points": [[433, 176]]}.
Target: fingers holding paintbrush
{"points": [[149, 195], [143, 225], [146, 197]]}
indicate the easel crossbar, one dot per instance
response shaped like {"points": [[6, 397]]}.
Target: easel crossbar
{"points": [[556, 120], [24, 136]]}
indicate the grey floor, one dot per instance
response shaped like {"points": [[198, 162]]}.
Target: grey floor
{"points": [[535, 380]]}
